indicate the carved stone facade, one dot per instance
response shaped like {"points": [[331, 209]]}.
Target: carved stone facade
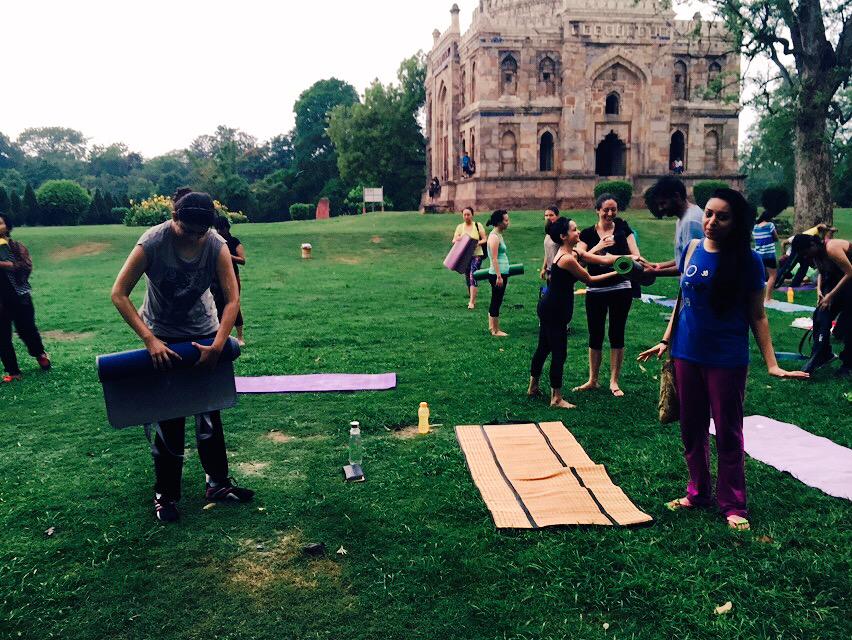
{"points": [[548, 97]]}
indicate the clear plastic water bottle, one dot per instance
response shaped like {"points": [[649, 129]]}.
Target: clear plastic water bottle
{"points": [[356, 447]]}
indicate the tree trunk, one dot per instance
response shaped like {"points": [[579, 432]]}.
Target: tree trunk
{"points": [[813, 169]]}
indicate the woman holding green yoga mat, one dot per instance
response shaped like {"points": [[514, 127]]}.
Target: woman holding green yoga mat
{"points": [[599, 247], [498, 271], [721, 299]]}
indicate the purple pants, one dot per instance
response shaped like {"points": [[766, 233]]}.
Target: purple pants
{"points": [[705, 391]]}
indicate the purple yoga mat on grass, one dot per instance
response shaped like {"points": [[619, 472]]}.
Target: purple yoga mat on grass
{"points": [[317, 383], [814, 460]]}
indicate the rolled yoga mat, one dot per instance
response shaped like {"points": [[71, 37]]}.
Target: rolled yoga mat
{"points": [[814, 460], [532, 476], [514, 270], [135, 393], [460, 255], [315, 383]]}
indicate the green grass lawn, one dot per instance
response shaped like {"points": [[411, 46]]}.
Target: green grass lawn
{"points": [[423, 559]]}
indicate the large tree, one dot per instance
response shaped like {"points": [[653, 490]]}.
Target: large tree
{"points": [[380, 142], [315, 157], [817, 35]]}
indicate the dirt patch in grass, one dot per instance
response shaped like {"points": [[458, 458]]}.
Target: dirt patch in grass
{"points": [[252, 468], [376, 239], [66, 336], [407, 432], [79, 251], [262, 564], [347, 260], [279, 438]]}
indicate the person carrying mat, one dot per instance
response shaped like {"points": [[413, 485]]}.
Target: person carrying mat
{"points": [[834, 292], [16, 304], [181, 258], [721, 297], [599, 247], [498, 270], [556, 307], [475, 230]]}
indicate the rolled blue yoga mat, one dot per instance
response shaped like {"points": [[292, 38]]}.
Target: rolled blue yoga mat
{"points": [[130, 364]]}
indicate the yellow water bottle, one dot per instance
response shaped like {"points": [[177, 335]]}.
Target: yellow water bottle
{"points": [[423, 418], [791, 295]]}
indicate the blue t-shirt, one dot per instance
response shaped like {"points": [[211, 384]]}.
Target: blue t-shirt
{"points": [[702, 336]]}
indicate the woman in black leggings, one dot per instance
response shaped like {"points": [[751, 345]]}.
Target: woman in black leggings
{"points": [[599, 247], [556, 308], [498, 271]]}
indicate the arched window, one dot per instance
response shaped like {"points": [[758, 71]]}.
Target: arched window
{"points": [[473, 145], [677, 153], [679, 80], [711, 151], [613, 105], [509, 75], [473, 82], [611, 156], [545, 152], [463, 94], [508, 153], [547, 75], [713, 73]]}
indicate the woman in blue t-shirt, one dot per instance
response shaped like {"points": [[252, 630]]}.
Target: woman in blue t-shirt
{"points": [[722, 297]]}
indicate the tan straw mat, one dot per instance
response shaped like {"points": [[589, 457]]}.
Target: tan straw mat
{"points": [[533, 476]]}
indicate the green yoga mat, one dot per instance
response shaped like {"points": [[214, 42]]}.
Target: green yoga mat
{"points": [[623, 265], [514, 270]]}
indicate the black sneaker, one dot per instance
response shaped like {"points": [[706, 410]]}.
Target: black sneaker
{"points": [[228, 492], [818, 360], [165, 509]]}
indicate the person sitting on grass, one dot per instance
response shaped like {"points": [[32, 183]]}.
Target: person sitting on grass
{"points": [[834, 295], [181, 258], [722, 296], [238, 257], [16, 304], [556, 307], [498, 270], [469, 227]]}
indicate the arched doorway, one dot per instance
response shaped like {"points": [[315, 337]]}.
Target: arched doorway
{"points": [[677, 149], [611, 156], [545, 152], [508, 152]]}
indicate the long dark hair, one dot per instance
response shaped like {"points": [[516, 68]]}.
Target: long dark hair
{"points": [[729, 287], [496, 218], [196, 208], [558, 228]]}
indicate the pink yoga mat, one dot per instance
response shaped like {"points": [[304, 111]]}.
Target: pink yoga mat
{"points": [[458, 259], [816, 461], [316, 383]]}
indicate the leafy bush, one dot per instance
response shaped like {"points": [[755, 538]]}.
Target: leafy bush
{"points": [[234, 217], [301, 211], [151, 211], [354, 202], [620, 189], [62, 202], [702, 191], [775, 199], [118, 214]]}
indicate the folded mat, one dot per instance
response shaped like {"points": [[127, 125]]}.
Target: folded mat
{"points": [[317, 382], [816, 461], [788, 307], [532, 476]]}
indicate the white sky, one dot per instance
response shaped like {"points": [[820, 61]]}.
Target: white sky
{"points": [[158, 73]]}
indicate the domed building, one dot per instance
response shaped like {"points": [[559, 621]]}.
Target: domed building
{"points": [[549, 97]]}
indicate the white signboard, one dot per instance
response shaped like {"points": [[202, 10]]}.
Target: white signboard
{"points": [[374, 195]]}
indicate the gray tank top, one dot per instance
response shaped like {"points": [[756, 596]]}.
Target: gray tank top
{"points": [[178, 301]]}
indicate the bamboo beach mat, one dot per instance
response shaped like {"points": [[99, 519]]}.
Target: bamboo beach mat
{"points": [[533, 476]]}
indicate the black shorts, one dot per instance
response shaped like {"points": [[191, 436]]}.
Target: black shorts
{"points": [[769, 262]]}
